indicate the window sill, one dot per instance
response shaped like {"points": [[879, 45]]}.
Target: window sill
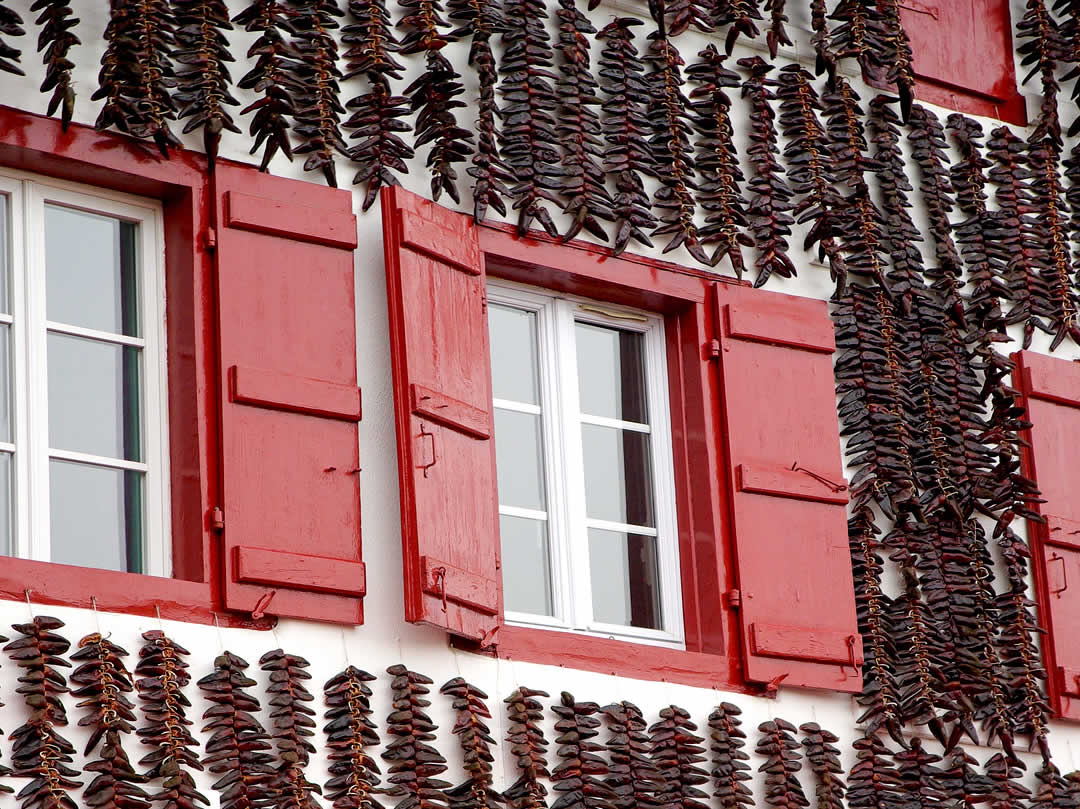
{"points": [[617, 657], [49, 583]]}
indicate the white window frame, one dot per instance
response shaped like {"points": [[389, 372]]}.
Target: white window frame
{"points": [[28, 195], [564, 473]]}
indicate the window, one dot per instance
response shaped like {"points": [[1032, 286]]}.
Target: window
{"points": [[83, 474], [584, 469]]}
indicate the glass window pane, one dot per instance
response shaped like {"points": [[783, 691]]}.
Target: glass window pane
{"points": [[94, 397], [625, 579], [526, 568], [514, 366], [611, 373], [519, 459], [7, 498], [95, 516], [618, 475], [90, 271], [6, 429], [5, 254]]}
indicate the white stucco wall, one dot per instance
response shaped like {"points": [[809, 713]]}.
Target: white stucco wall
{"points": [[386, 639]]}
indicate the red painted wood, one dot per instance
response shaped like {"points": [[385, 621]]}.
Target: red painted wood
{"points": [[283, 569], [963, 56], [785, 482], [439, 343], [804, 641], [463, 587], [792, 554], [1051, 379], [297, 394], [334, 227], [1069, 681], [788, 321], [285, 300], [38, 144], [622, 658], [449, 411], [1048, 390]]}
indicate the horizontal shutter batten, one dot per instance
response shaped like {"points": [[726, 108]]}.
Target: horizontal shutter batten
{"points": [[297, 394], [806, 643], [460, 586], [333, 228], [284, 569], [449, 411], [430, 236], [797, 323], [1052, 382], [784, 482]]}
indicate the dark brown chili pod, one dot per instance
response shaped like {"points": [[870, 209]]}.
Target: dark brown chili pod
{"points": [[10, 26], [740, 17]]}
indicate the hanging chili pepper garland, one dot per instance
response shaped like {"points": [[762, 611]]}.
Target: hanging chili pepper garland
{"points": [[896, 59], [474, 736], [873, 782], [433, 96], [238, 749], [203, 84], [670, 142], [782, 764], [579, 778], [102, 684], [740, 17], [730, 772], [480, 21], [777, 34], [137, 76], [163, 674], [56, 39], [1004, 773], [10, 26], [578, 128], [632, 777], [318, 110], [824, 760], [628, 155], [39, 752], [920, 777], [810, 169], [681, 14], [860, 34], [677, 752], [273, 77], [529, 748], [414, 762], [528, 141], [354, 775], [719, 191], [961, 780], [378, 115], [292, 722]]}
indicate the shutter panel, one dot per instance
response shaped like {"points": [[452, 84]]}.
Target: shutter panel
{"points": [[1050, 390], [963, 55], [290, 402], [797, 598], [442, 393]]}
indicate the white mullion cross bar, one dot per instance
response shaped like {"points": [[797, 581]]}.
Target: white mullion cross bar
{"points": [[94, 334], [96, 460], [618, 424]]}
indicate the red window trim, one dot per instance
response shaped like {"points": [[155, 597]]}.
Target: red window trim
{"points": [[684, 296], [38, 144]]}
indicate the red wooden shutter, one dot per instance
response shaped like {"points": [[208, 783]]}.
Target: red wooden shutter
{"points": [[797, 598], [290, 402], [1050, 390], [442, 392], [963, 56]]}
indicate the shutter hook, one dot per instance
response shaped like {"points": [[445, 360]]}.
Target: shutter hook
{"points": [[439, 576], [488, 638], [836, 487], [1064, 574], [772, 688], [434, 457], [260, 606], [851, 640]]}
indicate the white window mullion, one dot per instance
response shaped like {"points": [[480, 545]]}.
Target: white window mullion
{"points": [[35, 357], [577, 532]]}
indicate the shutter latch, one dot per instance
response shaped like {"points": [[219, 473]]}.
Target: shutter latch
{"points": [[217, 519], [712, 349], [733, 598], [210, 239]]}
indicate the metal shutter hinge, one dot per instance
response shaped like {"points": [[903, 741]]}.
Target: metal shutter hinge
{"points": [[210, 239], [712, 350], [733, 599], [217, 519]]}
